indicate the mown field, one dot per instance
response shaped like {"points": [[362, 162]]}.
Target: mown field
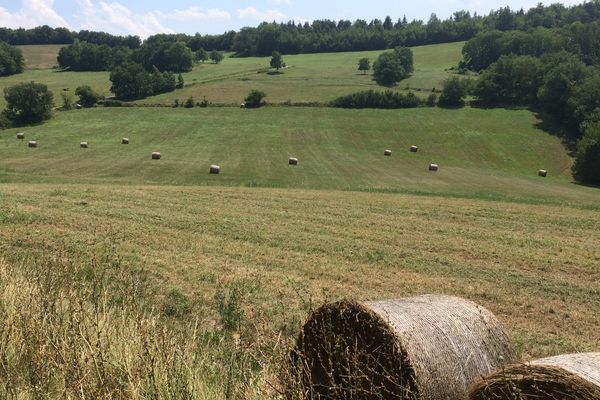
{"points": [[482, 153], [309, 77]]}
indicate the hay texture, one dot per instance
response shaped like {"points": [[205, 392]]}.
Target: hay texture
{"points": [[125, 140], [293, 161], [387, 153], [434, 167], [414, 149], [566, 377], [429, 347], [32, 143], [20, 135], [83, 145], [215, 169], [543, 173], [156, 155]]}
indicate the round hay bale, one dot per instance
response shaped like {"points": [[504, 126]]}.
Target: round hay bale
{"points": [[565, 377], [293, 161], [387, 153], [215, 169], [83, 145], [156, 155], [543, 173], [430, 347], [32, 143], [125, 140], [414, 149], [434, 167], [20, 135]]}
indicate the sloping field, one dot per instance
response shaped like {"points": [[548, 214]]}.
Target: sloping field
{"points": [[40, 56], [482, 153], [535, 266]]}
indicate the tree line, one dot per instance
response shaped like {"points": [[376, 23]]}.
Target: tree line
{"points": [[47, 35]]}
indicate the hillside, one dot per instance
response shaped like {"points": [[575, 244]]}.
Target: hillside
{"points": [[40, 56], [482, 153]]}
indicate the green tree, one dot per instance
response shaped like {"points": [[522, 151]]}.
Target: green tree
{"points": [[87, 96], [216, 56], [364, 65], [67, 100], [453, 94], [130, 81], [255, 99], [587, 162], [391, 67], [180, 82], [28, 103], [11, 60], [201, 55], [276, 60]]}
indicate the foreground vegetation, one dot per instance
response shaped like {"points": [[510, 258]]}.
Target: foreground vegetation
{"points": [[209, 286]]}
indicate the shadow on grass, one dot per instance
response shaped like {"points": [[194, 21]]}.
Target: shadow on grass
{"points": [[274, 73]]}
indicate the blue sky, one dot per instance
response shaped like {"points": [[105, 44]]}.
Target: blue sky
{"points": [[144, 18]]}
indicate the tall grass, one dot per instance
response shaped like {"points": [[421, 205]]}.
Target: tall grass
{"points": [[72, 331]]}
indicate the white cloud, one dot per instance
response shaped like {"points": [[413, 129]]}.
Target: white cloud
{"points": [[117, 18], [286, 2], [195, 14], [31, 14], [253, 13]]}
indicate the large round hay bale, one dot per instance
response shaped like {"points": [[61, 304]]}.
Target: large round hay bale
{"points": [[83, 145], [125, 140], [20, 135], [293, 161], [543, 173], [414, 149], [565, 377], [32, 143], [387, 152], [215, 169], [156, 155], [430, 347], [434, 167]]}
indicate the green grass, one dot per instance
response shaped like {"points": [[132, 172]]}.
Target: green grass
{"points": [[482, 153], [309, 78]]}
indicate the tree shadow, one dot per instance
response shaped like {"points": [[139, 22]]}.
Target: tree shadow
{"points": [[274, 73]]}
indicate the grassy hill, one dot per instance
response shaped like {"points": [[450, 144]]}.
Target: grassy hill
{"points": [[309, 78], [488, 153]]}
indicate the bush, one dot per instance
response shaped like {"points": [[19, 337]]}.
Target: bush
{"points": [[431, 100], [67, 100], [11, 60], [189, 103], [255, 99], [87, 96], [453, 94], [28, 103], [375, 99], [587, 162], [390, 68]]}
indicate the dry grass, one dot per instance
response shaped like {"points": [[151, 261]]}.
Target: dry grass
{"points": [[536, 267]]}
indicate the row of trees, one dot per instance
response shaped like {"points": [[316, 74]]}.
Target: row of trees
{"points": [[132, 81], [11, 60], [47, 35]]}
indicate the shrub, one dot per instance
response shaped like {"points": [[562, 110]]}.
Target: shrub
{"points": [[87, 96], [67, 100], [453, 94], [390, 68], [587, 162], [255, 99], [28, 103], [431, 100], [11, 60], [189, 103], [376, 99]]}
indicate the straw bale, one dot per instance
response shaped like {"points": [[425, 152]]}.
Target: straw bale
{"points": [[430, 347], [156, 155], [215, 169], [387, 153], [20, 135], [293, 161], [32, 143], [125, 140], [434, 167], [543, 173], [83, 145], [414, 149], [564, 377]]}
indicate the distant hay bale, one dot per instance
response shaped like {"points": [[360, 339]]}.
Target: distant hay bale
{"points": [[83, 145], [543, 173], [430, 347], [20, 135], [156, 155], [565, 377], [125, 140], [387, 153], [414, 149], [243, 105], [215, 169], [293, 161], [32, 143], [434, 167]]}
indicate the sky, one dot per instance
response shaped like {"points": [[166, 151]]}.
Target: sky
{"points": [[148, 17]]}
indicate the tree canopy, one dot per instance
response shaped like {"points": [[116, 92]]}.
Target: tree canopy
{"points": [[28, 103], [391, 67], [11, 60]]}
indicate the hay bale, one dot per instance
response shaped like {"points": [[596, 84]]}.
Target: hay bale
{"points": [[243, 105], [434, 167], [414, 149], [156, 155], [125, 140], [543, 173], [387, 153], [565, 377], [83, 145], [293, 161], [20, 135], [32, 143], [215, 169], [429, 347]]}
